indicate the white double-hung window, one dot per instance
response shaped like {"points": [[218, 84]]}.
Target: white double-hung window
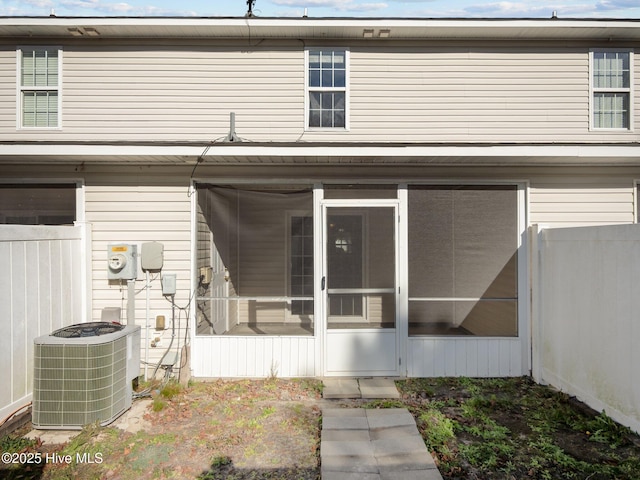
{"points": [[39, 87], [327, 72], [611, 89]]}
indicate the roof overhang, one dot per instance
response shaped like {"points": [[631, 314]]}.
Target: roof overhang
{"points": [[320, 28], [315, 154]]}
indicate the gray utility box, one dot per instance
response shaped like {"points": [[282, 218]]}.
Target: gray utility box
{"points": [[83, 374]]}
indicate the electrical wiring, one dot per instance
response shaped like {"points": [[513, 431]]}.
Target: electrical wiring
{"points": [[167, 375], [14, 413], [170, 369]]}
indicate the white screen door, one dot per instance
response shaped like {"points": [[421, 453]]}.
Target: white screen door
{"points": [[360, 287]]}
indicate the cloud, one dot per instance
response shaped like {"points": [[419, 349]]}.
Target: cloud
{"points": [[617, 4], [120, 8], [528, 10], [339, 5], [503, 9], [310, 3], [39, 3]]}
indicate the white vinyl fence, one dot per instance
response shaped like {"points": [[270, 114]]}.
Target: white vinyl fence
{"points": [[42, 288], [586, 318]]}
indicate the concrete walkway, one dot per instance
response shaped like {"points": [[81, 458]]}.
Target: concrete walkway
{"points": [[344, 388], [372, 444]]}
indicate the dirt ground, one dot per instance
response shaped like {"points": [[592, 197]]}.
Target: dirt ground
{"points": [[220, 430], [514, 429], [507, 429]]}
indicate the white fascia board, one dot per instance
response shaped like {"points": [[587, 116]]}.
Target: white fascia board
{"points": [[337, 28], [580, 151], [99, 150], [86, 151]]}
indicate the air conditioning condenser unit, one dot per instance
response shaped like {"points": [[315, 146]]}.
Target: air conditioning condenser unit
{"points": [[83, 374]]}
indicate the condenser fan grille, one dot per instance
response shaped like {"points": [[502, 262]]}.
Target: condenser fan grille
{"points": [[91, 329]]}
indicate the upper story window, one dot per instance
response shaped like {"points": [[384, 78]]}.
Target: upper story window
{"points": [[611, 87], [39, 87], [327, 88]]}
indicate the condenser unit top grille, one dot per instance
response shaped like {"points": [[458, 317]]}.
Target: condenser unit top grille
{"points": [[91, 329]]}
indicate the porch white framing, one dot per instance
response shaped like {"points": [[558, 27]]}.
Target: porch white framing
{"points": [[291, 356], [335, 341]]}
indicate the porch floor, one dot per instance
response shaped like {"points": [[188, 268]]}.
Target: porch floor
{"points": [[271, 329]]}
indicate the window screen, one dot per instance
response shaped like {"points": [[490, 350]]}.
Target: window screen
{"points": [[259, 246], [463, 242], [38, 204]]}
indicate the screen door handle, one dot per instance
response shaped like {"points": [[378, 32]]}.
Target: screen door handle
{"points": [[322, 283]]}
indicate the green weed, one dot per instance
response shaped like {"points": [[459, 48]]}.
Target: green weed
{"points": [[12, 444], [158, 404], [384, 403], [437, 428], [170, 390]]}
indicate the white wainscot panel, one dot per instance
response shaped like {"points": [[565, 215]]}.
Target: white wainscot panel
{"points": [[465, 357], [226, 356], [361, 353]]}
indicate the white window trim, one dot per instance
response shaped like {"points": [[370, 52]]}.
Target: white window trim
{"points": [[629, 90], [346, 89], [20, 88]]}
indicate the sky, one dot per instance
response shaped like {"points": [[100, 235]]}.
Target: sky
{"points": [[328, 8]]}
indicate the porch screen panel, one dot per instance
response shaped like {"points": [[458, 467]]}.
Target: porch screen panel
{"points": [[361, 269], [38, 204], [262, 266], [462, 260]]}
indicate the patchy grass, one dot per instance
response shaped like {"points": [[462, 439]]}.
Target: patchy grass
{"points": [[507, 429], [515, 429]]}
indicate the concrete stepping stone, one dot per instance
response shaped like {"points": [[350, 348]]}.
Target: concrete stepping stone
{"points": [[373, 444], [378, 388], [340, 388], [368, 388]]}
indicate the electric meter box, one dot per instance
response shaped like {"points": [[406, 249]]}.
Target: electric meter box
{"points": [[122, 261]]}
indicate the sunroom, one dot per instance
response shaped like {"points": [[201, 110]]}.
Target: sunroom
{"points": [[359, 279]]}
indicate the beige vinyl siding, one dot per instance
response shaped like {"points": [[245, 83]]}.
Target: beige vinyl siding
{"points": [[454, 94], [399, 92], [484, 93], [185, 92], [8, 90], [573, 202], [138, 214], [182, 94]]}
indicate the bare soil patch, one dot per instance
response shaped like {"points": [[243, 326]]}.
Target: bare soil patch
{"points": [[220, 430]]}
